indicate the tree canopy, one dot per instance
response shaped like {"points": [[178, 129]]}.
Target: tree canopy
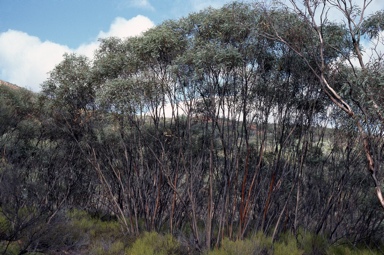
{"points": [[218, 125]]}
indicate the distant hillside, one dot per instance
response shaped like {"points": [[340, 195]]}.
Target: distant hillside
{"points": [[10, 85]]}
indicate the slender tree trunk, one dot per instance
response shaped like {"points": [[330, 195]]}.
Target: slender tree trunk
{"points": [[208, 227]]}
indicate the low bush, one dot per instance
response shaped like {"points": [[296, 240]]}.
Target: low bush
{"points": [[312, 244], [152, 243], [258, 244], [100, 237], [107, 247], [287, 244], [347, 250], [9, 248], [79, 232]]}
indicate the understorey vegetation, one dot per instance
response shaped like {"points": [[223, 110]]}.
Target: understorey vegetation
{"points": [[240, 130]]}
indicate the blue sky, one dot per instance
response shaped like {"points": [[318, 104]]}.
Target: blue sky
{"points": [[73, 22], [34, 34]]}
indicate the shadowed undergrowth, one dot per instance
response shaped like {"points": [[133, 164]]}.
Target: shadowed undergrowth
{"points": [[87, 234]]}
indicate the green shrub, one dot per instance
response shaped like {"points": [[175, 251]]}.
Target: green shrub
{"points": [[106, 247], [117, 247], [95, 227], [258, 244], [346, 250], [152, 243], [12, 248], [81, 220], [229, 247], [312, 243], [97, 249], [101, 237], [287, 245], [5, 225]]}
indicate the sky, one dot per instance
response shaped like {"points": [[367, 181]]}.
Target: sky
{"points": [[35, 34]]}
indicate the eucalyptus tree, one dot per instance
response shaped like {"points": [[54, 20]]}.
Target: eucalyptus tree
{"points": [[359, 94], [221, 69], [241, 80], [33, 190], [245, 112], [67, 102], [213, 125], [134, 85], [70, 94]]}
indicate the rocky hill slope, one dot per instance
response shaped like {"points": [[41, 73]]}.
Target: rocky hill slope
{"points": [[11, 85]]}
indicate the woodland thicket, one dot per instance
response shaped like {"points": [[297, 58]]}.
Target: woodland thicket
{"points": [[210, 129]]}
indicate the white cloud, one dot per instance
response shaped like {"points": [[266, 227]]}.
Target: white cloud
{"points": [[144, 4], [198, 5], [126, 28], [25, 60], [87, 49]]}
